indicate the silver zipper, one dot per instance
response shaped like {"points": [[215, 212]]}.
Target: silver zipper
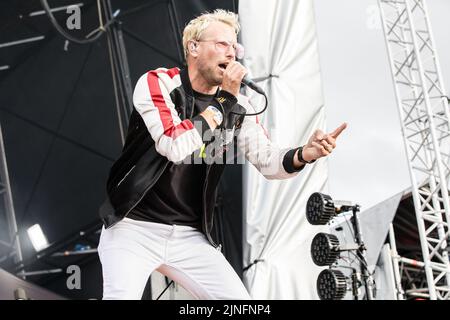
{"points": [[144, 193], [125, 175]]}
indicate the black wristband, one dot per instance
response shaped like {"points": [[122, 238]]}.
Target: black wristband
{"points": [[300, 156], [288, 162]]}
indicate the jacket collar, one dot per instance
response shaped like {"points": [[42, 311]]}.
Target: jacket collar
{"points": [[189, 99], [189, 93], [186, 82]]}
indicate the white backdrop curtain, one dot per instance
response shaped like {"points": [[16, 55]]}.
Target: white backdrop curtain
{"points": [[280, 39]]}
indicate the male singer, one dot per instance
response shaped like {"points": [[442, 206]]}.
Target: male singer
{"points": [[161, 191]]}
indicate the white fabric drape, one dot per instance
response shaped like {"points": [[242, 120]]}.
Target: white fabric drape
{"points": [[280, 40]]}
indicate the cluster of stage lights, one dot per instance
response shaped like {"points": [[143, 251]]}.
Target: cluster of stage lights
{"points": [[325, 248]]}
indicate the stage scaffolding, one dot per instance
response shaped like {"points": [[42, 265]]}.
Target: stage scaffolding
{"points": [[425, 121]]}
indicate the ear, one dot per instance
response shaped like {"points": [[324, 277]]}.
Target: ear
{"points": [[192, 47]]}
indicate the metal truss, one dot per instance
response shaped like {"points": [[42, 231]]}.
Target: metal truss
{"points": [[424, 115], [13, 245], [410, 281]]}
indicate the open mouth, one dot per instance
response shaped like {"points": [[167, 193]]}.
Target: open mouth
{"points": [[223, 66]]}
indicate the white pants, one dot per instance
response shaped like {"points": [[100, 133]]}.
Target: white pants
{"points": [[131, 250]]}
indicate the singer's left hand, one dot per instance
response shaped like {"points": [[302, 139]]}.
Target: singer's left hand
{"points": [[320, 144]]}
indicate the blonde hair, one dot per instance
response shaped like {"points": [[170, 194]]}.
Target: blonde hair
{"points": [[195, 28]]}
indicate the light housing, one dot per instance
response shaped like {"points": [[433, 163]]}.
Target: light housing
{"points": [[331, 285], [37, 237], [325, 249], [320, 209]]}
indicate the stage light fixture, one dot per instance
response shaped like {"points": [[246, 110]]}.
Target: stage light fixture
{"points": [[325, 249], [331, 285], [320, 209], [37, 237]]}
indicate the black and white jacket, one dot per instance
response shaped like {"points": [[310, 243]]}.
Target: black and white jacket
{"points": [[161, 129]]}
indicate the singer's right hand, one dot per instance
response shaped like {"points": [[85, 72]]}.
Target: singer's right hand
{"points": [[232, 77]]}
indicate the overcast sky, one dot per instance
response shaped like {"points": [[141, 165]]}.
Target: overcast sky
{"points": [[369, 164]]}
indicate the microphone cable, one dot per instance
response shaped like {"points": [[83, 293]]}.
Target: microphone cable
{"points": [[249, 114]]}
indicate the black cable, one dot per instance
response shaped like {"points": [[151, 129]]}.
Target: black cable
{"points": [[170, 283], [369, 274], [361, 260], [246, 114], [253, 263], [101, 30], [349, 226], [256, 113]]}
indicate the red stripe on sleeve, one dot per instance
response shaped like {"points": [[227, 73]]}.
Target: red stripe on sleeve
{"points": [[165, 115], [172, 72], [264, 129]]}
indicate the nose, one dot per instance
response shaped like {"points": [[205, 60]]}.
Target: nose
{"points": [[231, 53]]}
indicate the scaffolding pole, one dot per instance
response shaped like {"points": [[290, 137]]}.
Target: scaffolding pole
{"points": [[425, 122], [8, 206]]}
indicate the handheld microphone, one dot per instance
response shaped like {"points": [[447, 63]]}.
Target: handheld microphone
{"points": [[251, 84]]}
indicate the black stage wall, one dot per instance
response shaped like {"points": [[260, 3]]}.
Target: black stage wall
{"points": [[59, 120]]}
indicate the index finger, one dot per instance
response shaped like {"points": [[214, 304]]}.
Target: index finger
{"points": [[338, 130]]}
